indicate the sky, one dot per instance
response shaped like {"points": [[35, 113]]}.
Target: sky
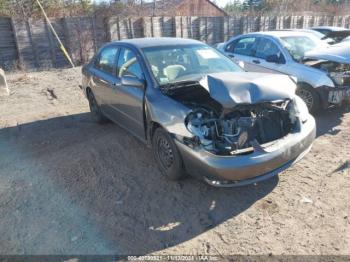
{"points": [[222, 3]]}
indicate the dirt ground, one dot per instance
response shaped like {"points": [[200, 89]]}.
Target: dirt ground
{"points": [[70, 186]]}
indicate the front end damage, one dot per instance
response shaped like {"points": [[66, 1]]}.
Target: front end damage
{"points": [[236, 131], [241, 128], [337, 68]]}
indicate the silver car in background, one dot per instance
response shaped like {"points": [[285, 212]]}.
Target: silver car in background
{"points": [[322, 71]]}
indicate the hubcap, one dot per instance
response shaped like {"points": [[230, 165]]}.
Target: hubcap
{"points": [[307, 97], [165, 153]]}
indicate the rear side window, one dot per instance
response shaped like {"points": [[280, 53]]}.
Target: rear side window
{"points": [[128, 64], [245, 46], [266, 48], [107, 60]]}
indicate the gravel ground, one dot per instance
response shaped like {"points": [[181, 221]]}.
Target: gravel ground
{"points": [[70, 186]]}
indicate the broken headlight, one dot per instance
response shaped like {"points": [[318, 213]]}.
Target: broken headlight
{"points": [[200, 123], [338, 78], [300, 109]]}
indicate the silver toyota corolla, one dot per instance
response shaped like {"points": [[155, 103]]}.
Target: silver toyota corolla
{"points": [[199, 111], [322, 71]]}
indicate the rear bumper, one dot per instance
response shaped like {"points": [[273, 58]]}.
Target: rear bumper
{"points": [[261, 164]]}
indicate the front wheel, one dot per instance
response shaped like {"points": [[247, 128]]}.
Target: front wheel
{"points": [[167, 155], [310, 97]]}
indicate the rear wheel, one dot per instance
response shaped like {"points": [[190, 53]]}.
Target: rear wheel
{"points": [[310, 97], [167, 155], [95, 109]]}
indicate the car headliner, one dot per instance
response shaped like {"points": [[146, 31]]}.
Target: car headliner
{"points": [[158, 42]]}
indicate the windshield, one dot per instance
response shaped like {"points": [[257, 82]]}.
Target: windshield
{"points": [[316, 34], [172, 64], [346, 39], [297, 46]]}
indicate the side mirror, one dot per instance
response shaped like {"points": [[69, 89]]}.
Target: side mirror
{"points": [[274, 59], [132, 81]]}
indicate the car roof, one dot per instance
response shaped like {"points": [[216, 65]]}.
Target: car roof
{"points": [[281, 33], [332, 28], [158, 42]]}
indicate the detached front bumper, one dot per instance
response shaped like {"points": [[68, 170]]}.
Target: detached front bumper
{"points": [[261, 164]]}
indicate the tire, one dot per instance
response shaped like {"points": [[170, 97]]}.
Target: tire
{"points": [[310, 97], [167, 155], [95, 109]]}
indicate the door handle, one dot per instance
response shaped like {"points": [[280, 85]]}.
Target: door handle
{"points": [[103, 81], [231, 55], [256, 61], [116, 86]]}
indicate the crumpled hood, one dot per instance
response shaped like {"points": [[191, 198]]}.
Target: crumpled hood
{"points": [[339, 53], [233, 88]]}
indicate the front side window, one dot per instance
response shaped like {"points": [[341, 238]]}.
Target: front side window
{"points": [[266, 48], [172, 64], [128, 64], [107, 59]]}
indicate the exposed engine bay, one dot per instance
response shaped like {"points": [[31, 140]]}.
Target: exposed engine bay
{"points": [[338, 72], [237, 130]]}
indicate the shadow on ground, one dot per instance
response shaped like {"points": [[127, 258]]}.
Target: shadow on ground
{"points": [[328, 120], [79, 188]]}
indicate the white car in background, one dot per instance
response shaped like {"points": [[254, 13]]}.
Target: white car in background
{"points": [[328, 29], [333, 34], [322, 71], [316, 34]]}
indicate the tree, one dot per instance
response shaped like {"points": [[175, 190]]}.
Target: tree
{"points": [[252, 5], [234, 7]]}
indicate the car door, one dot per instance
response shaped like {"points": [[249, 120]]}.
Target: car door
{"points": [[265, 50], [242, 50], [127, 100], [103, 74]]}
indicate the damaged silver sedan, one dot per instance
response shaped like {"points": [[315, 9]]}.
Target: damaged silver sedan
{"points": [[199, 111], [322, 71]]}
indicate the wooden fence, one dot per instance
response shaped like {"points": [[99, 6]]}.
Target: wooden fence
{"points": [[8, 49], [30, 45]]}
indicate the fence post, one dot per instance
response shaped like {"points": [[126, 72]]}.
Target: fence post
{"points": [[92, 18], [225, 28], [30, 37], [51, 45], [15, 36], [69, 42]]}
